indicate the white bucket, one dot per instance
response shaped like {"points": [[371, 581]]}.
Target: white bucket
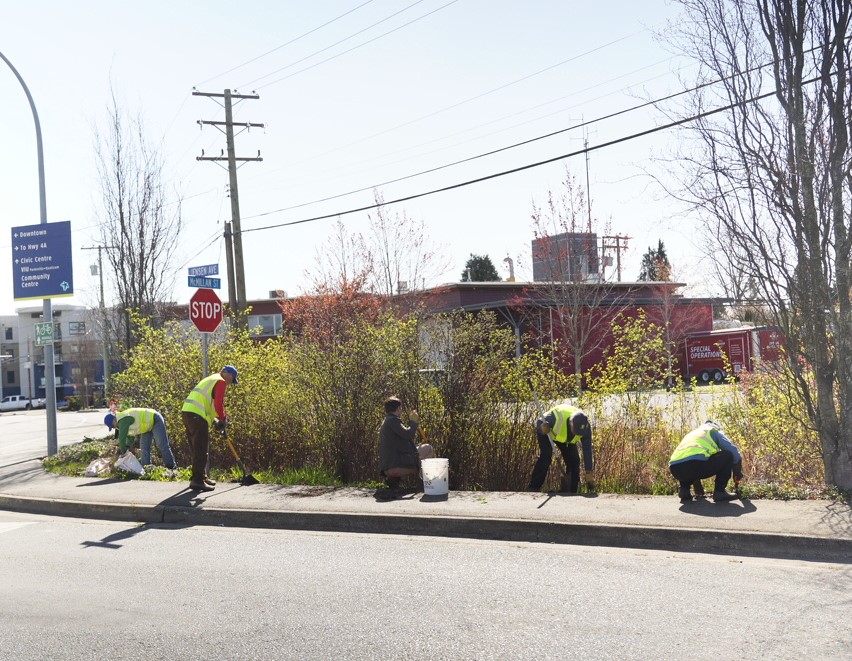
{"points": [[436, 476]]}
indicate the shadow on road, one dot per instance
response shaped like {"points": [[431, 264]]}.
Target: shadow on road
{"points": [[108, 542]]}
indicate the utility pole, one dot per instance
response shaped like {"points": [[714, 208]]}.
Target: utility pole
{"points": [[232, 158], [104, 321], [229, 262], [619, 244]]}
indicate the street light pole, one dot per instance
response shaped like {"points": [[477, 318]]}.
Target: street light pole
{"points": [[47, 307], [104, 333]]}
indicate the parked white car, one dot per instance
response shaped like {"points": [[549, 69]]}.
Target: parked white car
{"points": [[20, 403]]}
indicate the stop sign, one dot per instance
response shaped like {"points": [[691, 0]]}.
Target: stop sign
{"points": [[205, 310]]}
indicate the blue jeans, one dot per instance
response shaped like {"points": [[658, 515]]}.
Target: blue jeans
{"points": [[159, 434]]}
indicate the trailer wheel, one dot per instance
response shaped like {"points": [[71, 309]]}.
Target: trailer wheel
{"points": [[718, 376], [704, 377]]}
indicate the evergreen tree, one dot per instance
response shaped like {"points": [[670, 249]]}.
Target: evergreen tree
{"points": [[655, 265], [479, 268]]}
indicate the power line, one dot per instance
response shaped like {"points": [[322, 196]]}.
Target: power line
{"points": [[336, 43], [475, 97], [277, 48], [494, 151], [349, 50], [529, 166]]}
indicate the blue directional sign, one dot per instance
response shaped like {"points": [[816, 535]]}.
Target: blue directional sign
{"points": [[41, 261], [205, 283], [207, 269]]}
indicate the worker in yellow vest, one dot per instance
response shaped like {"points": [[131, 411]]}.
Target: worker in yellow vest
{"points": [[146, 425], [203, 408], [706, 452], [566, 426]]}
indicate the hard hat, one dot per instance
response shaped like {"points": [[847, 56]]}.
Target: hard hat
{"points": [[109, 420]]}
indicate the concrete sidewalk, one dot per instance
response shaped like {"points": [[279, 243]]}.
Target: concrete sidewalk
{"points": [[810, 530]]}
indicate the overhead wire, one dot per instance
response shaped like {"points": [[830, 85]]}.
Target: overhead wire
{"points": [[551, 134], [284, 45], [472, 98], [348, 50], [529, 166]]}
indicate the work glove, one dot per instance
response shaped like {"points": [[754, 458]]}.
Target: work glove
{"points": [[220, 425], [738, 471], [413, 417], [590, 482]]}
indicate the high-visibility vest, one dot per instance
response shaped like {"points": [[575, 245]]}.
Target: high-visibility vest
{"points": [[200, 400], [695, 443], [143, 420], [563, 413]]}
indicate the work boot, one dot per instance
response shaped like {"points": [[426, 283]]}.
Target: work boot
{"points": [[699, 489], [393, 482], [200, 486], [723, 496], [685, 495], [209, 482]]}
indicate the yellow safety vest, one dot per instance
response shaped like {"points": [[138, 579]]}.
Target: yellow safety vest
{"points": [[697, 442], [200, 400], [563, 413], [143, 420]]}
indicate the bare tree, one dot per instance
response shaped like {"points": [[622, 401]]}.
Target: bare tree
{"points": [[403, 256], [772, 176], [139, 221], [576, 296]]}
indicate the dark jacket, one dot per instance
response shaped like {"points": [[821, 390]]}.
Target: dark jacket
{"points": [[396, 444]]}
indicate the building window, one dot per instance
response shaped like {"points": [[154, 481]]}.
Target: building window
{"points": [[270, 324], [8, 333], [10, 377], [76, 327]]}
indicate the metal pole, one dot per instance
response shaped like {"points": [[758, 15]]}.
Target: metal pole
{"points": [[105, 338], [205, 339], [47, 308]]}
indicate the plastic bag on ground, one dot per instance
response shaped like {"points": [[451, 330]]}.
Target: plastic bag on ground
{"points": [[97, 467], [130, 463]]}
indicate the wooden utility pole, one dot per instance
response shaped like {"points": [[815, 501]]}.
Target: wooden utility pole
{"points": [[619, 243], [235, 232]]}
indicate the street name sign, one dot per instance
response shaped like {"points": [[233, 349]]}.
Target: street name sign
{"points": [[207, 269], [41, 261], [206, 283]]}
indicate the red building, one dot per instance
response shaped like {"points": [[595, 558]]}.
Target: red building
{"points": [[529, 308]]}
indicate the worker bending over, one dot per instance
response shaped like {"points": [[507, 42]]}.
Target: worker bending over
{"points": [[144, 424], [565, 426]]}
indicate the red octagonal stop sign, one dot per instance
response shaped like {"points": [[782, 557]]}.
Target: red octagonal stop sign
{"points": [[205, 310]]}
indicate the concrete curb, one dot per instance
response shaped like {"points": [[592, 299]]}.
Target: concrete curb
{"points": [[685, 540]]}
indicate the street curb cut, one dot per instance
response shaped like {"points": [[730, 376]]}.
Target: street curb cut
{"points": [[684, 540]]}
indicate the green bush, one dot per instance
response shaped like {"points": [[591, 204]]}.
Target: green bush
{"points": [[309, 411]]}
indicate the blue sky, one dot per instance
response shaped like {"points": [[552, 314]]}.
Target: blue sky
{"points": [[462, 78]]}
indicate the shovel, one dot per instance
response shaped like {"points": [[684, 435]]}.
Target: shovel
{"points": [[247, 479]]}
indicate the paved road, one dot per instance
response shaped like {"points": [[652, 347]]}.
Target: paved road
{"points": [[75, 589], [23, 434]]}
